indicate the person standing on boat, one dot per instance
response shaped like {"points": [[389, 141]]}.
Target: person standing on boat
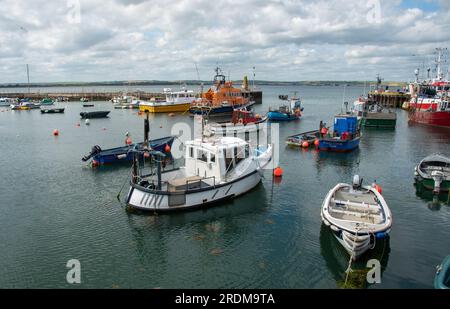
{"points": [[323, 131]]}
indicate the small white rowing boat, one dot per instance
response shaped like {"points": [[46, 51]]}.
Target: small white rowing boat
{"points": [[357, 215]]}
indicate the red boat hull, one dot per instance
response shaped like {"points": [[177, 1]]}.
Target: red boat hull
{"points": [[440, 119]]}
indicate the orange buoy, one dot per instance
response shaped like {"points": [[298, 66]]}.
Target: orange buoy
{"points": [[167, 148], [305, 144], [378, 188], [146, 155], [278, 172], [55, 132], [316, 142]]}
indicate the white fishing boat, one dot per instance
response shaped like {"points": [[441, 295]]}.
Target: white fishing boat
{"points": [[175, 101], [357, 215], [7, 101], [215, 169], [244, 124]]}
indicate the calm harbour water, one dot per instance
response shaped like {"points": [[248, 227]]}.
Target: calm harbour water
{"points": [[54, 208]]}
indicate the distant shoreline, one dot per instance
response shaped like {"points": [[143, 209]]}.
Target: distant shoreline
{"points": [[198, 83]]}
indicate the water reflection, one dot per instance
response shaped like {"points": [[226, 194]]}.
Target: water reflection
{"points": [[184, 242], [435, 201], [337, 259], [347, 163]]}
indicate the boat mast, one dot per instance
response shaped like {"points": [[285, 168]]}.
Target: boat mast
{"points": [[439, 60], [253, 78], [146, 130], [28, 78]]}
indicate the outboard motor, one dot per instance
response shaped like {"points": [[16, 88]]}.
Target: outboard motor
{"points": [[95, 150], [357, 182]]}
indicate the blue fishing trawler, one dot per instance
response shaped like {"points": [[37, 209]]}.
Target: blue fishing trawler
{"points": [[345, 136], [287, 112]]}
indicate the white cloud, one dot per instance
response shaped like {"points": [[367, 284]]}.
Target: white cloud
{"points": [[161, 39]]}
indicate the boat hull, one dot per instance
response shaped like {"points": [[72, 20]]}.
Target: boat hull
{"points": [[277, 116], [52, 111], [442, 277], [99, 114], [378, 123], [335, 145], [429, 184], [165, 108], [122, 154], [214, 110], [142, 199], [439, 118]]}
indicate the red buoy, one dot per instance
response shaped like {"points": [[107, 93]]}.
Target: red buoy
{"points": [[55, 132], [128, 141], [146, 155], [316, 142], [378, 188], [167, 148], [278, 172], [305, 144]]}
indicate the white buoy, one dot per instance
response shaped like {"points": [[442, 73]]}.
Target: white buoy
{"points": [[87, 122]]}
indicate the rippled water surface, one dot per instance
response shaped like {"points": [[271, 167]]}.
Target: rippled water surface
{"points": [[54, 208]]}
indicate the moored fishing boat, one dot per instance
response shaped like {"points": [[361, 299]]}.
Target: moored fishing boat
{"points": [[175, 101], [47, 101], [7, 101], [305, 139], [434, 173], [222, 98], [243, 123], [442, 277], [134, 104], [52, 110], [286, 112], [430, 99], [372, 114], [345, 136], [357, 215], [124, 153], [215, 169], [96, 114]]}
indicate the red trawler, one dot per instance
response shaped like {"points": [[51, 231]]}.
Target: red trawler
{"points": [[430, 100]]}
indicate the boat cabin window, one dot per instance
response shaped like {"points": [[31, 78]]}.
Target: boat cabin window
{"points": [[212, 158], [191, 152], [202, 155]]}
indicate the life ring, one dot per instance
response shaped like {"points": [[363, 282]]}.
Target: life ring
{"points": [[240, 121]]}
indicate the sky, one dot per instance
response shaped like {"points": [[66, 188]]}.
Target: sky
{"points": [[284, 40]]}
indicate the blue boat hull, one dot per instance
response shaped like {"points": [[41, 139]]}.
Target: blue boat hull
{"points": [[442, 278], [337, 145], [277, 116], [122, 154]]}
